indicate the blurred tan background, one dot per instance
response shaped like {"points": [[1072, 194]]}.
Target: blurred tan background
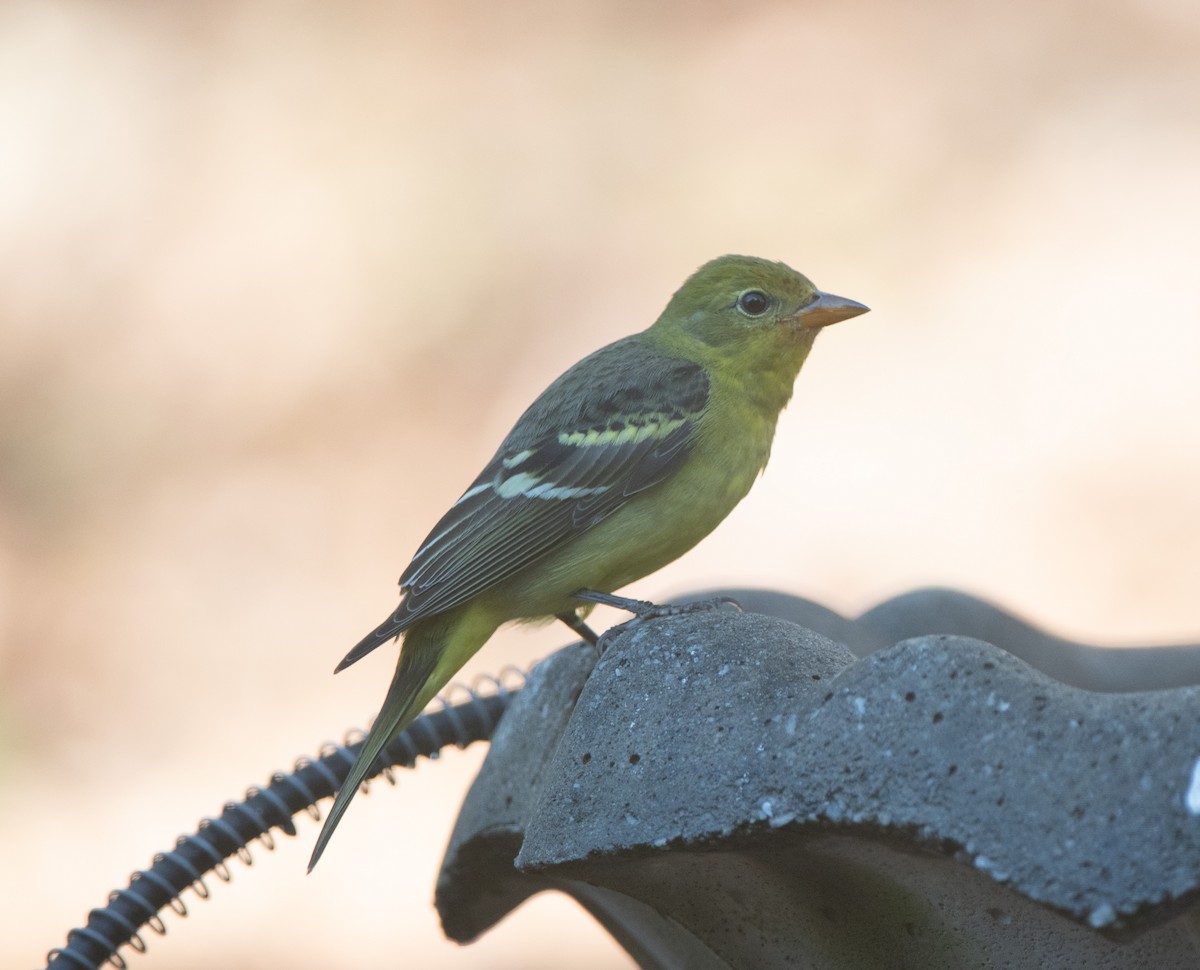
{"points": [[276, 278]]}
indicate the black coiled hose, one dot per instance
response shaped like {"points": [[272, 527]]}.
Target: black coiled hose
{"points": [[138, 905]]}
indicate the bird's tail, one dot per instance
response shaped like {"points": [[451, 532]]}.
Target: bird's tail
{"points": [[408, 694], [433, 650]]}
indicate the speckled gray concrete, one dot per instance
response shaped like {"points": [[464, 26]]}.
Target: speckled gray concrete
{"points": [[940, 610], [736, 791], [491, 825]]}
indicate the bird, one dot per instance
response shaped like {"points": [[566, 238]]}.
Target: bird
{"points": [[620, 466]]}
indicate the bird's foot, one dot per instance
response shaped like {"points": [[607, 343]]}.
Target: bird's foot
{"points": [[644, 610], [578, 626]]}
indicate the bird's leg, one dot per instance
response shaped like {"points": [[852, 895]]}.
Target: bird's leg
{"points": [[578, 626], [636, 607], [643, 610]]}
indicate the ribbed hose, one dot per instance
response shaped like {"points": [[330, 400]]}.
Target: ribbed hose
{"points": [[137, 906]]}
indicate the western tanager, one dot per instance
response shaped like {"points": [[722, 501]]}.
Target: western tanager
{"points": [[623, 464]]}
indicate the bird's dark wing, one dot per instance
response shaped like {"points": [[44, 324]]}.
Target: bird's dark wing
{"points": [[614, 425]]}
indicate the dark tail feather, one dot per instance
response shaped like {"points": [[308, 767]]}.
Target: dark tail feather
{"points": [[389, 629], [412, 673]]}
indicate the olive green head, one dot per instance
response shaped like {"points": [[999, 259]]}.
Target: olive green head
{"points": [[744, 299]]}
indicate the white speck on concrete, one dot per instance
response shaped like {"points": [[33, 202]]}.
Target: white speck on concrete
{"points": [[1192, 798], [790, 725], [723, 671], [1102, 915], [860, 706], [989, 865], [766, 808]]}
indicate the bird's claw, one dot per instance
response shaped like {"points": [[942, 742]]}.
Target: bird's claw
{"points": [[644, 610]]}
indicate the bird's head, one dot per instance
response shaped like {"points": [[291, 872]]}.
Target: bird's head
{"points": [[743, 302]]}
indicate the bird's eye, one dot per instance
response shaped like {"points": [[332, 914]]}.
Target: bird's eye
{"points": [[753, 303]]}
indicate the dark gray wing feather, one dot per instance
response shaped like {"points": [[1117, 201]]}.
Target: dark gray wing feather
{"points": [[503, 523]]}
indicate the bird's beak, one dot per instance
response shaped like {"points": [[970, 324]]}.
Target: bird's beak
{"points": [[827, 309]]}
